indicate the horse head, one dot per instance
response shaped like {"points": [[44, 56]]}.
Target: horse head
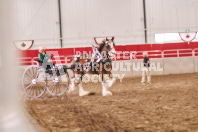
{"points": [[107, 47], [109, 43]]}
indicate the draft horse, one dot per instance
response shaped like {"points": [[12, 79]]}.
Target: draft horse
{"points": [[99, 63]]}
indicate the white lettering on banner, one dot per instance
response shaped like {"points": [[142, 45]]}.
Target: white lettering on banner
{"points": [[159, 68], [125, 53], [118, 54], [122, 67], [115, 68], [128, 64], [136, 68], [86, 78], [152, 66], [133, 55], [121, 76], [96, 78]]}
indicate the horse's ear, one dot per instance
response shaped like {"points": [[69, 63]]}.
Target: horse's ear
{"points": [[112, 39], [96, 41]]}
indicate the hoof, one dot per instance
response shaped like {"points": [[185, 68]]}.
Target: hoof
{"points": [[107, 93], [84, 93]]}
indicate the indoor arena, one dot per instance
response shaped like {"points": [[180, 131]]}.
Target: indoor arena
{"points": [[99, 65]]}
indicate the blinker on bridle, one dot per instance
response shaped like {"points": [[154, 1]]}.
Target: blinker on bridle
{"points": [[107, 42]]}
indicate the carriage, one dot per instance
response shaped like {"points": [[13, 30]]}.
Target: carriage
{"points": [[36, 80]]}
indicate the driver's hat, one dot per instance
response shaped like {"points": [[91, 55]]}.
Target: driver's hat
{"points": [[42, 48]]}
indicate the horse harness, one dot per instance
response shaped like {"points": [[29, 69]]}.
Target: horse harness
{"points": [[96, 58]]}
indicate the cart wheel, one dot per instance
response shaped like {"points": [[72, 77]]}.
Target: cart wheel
{"points": [[33, 82], [58, 85]]}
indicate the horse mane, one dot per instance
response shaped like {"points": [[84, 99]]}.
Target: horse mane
{"points": [[101, 47]]}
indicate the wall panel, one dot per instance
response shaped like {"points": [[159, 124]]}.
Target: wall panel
{"points": [[171, 16], [38, 20], [84, 19], [178, 65]]}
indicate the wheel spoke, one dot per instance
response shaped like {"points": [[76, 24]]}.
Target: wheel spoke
{"points": [[29, 90], [29, 86], [52, 86], [30, 72], [28, 75], [40, 85], [28, 83], [33, 90], [33, 72], [28, 79], [36, 90]]}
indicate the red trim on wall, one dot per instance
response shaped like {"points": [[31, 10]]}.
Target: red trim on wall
{"points": [[140, 47]]}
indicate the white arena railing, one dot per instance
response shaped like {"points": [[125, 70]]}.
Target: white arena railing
{"points": [[151, 54], [24, 61], [178, 53], [138, 55], [195, 52], [68, 58]]}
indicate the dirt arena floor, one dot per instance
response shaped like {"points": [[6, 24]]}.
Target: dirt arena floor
{"points": [[169, 104]]}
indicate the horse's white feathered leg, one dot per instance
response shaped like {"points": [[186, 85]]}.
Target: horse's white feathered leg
{"points": [[111, 82], [72, 86], [82, 92], [104, 90]]}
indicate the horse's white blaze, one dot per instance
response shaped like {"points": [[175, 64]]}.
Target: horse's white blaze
{"points": [[112, 51], [111, 45]]}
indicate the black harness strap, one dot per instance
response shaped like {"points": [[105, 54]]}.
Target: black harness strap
{"points": [[101, 47]]}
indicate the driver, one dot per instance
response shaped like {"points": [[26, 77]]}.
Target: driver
{"points": [[45, 59]]}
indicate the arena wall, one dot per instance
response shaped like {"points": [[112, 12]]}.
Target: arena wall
{"points": [[164, 59], [166, 66], [179, 65]]}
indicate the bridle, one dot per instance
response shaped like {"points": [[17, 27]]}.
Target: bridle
{"points": [[110, 48], [99, 55]]}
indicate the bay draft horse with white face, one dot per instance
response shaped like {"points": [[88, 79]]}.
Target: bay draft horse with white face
{"points": [[99, 63]]}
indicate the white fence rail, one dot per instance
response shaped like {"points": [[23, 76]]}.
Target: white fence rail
{"points": [[123, 56], [171, 61]]}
